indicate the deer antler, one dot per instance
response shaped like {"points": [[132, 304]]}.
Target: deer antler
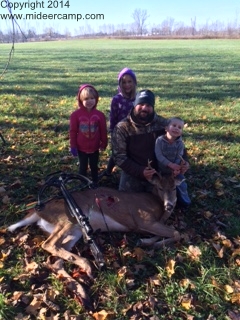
{"points": [[149, 164], [151, 168], [182, 160]]}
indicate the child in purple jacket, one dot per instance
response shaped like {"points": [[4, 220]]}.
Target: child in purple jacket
{"points": [[121, 105]]}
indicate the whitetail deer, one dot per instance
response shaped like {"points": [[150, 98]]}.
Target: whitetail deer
{"points": [[107, 210]]}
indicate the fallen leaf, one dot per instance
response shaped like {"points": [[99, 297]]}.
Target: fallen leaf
{"points": [[228, 289], [219, 249], [130, 283], [236, 252], [170, 267], [2, 190], [34, 306], [155, 280], [2, 241], [122, 271], [194, 253], [235, 298], [186, 301], [207, 214], [184, 283], [218, 184], [32, 266], [104, 315], [5, 200], [138, 253]]}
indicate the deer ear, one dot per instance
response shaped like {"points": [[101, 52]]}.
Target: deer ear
{"points": [[156, 178]]}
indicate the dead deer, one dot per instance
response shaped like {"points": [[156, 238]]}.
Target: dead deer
{"points": [[107, 210]]}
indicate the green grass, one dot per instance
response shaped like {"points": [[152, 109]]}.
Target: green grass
{"points": [[197, 80]]}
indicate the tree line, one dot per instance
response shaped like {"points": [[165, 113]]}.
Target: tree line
{"points": [[140, 27]]}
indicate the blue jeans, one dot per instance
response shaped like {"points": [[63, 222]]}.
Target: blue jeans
{"points": [[182, 193]]}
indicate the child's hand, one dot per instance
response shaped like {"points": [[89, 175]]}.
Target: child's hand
{"points": [[174, 166], [74, 152], [184, 167]]}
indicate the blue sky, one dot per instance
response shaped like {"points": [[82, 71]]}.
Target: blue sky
{"points": [[120, 12]]}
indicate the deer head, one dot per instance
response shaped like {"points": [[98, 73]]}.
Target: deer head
{"points": [[165, 189]]}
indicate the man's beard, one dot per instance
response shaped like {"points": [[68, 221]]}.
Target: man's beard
{"points": [[144, 117]]}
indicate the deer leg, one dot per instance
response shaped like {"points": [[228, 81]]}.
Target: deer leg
{"points": [[164, 243], [75, 287], [153, 241], [54, 245], [161, 230], [27, 220], [145, 242], [166, 215]]}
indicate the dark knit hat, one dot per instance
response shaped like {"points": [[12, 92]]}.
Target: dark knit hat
{"points": [[145, 96]]}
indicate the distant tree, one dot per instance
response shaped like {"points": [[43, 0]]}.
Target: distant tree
{"points": [[167, 26], [140, 16], [193, 26]]}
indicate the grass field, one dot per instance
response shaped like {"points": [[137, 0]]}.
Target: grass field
{"points": [[197, 80]]}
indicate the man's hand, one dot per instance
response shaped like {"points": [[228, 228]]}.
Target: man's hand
{"points": [[148, 173]]}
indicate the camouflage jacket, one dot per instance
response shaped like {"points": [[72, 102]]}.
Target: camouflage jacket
{"points": [[133, 144]]}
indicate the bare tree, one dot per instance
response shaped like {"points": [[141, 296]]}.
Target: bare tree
{"points": [[193, 26], [167, 26], [12, 35], [140, 16]]}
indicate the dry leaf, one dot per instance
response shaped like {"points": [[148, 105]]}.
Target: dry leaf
{"points": [[155, 280], [139, 267], [207, 214], [220, 193], [126, 252], [2, 190], [235, 298], [228, 289], [219, 249], [236, 252], [218, 184], [5, 200], [130, 283], [194, 253], [4, 255], [186, 301], [170, 267], [34, 306], [227, 243], [2, 241], [32, 266], [184, 283], [138, 253], [104, 315], [122, 272]]}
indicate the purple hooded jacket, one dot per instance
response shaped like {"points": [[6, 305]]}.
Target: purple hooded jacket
{"points": [[121, 105]]}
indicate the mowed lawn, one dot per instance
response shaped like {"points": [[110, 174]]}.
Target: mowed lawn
{"points": [[198, 80]]}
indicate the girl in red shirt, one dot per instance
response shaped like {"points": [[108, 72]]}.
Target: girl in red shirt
{"points": [[88, 131]]}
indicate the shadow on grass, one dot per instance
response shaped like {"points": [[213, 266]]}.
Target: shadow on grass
{"points": [[175, 75]]}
